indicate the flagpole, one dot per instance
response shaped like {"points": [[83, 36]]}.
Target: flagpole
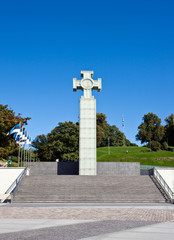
{"points": [[21, 155], [18, 155], [28, 156], [24, 155], [123, 131]]}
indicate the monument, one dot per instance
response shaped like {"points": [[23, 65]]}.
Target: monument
{"points": [[87, 134]]}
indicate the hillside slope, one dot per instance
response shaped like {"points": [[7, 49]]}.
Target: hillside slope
{"points": [[136, 154]]}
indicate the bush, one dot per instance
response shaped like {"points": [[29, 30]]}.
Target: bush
{"points": [[14, 159], [171, 149], [133, 145], [3, 160], [4, 153], [155, 146], [165, 146]]}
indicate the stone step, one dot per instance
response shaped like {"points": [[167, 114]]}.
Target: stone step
{"points": [[72, 189], [78, 200]]}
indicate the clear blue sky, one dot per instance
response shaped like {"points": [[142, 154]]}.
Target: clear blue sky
{"points": [[128, 43]]}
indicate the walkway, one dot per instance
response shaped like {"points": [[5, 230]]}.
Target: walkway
{"points": [[86, 221]]}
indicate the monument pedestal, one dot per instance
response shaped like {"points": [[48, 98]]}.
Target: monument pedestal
{"points": [[87, 144]]}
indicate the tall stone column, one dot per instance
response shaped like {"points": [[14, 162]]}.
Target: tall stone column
{"points": [[87, 135]]}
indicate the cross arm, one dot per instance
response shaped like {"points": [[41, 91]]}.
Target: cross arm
{"points": [[76, 84], [97, 85]]}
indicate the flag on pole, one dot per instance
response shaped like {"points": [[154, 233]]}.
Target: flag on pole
{"points": [[15, 129], [28, 141], [18, 134], [21, 138]]}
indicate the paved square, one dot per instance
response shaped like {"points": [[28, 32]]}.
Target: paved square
{"points": [[86, 221]]}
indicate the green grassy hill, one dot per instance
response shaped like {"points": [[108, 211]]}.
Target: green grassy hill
{"points": [[136, 154]]}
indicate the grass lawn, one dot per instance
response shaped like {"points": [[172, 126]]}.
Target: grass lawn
{"points": [[136, 154]]}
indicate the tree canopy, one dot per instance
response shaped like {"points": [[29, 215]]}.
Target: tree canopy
{"points": [[169, 130], [63, 141], [8, 119], [150, 129], [107, 132]]}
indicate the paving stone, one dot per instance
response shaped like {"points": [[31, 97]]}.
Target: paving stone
{"points": [[89, 213]]}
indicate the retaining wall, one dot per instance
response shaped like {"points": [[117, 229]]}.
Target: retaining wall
{"points": [[103, 168], [118, 168]]}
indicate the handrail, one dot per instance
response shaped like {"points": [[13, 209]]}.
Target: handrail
{"points": [[16, 182], [164, 184]]}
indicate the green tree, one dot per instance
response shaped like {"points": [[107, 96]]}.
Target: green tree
{"points": [[150, 129], [105, 131], [169, 130], [8, 120], [101, 128], [62, 143], [114, 135], [42, 146]]}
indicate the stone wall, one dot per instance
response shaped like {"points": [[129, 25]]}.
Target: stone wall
{"points": [[103, 168], [118, 168]]}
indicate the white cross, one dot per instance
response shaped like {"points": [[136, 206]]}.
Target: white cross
{"points": [[87, 84]]}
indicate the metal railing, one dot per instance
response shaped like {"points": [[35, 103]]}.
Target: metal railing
{"points": [[164, 185], [15, 184]]}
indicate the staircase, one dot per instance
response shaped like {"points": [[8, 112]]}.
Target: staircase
{"points": [[43, 185]]}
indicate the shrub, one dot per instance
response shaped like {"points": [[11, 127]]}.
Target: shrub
{"points": [[155, 146], [4, 153], [133, 145], [3, 160], [14, 159], [165, 146]]}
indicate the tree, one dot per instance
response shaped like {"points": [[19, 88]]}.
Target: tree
{"points": [[169, 130], [65, 140], [101, 127], [62, 143], [105, 131], [42, 146], [8, 120], [114, 135], [150, 129]]}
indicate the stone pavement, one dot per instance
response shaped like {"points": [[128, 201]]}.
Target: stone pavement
{"points": [[157, 231], [86, 221]]}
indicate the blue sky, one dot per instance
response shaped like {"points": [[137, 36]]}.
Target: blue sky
{"points": [[129, 44]]}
